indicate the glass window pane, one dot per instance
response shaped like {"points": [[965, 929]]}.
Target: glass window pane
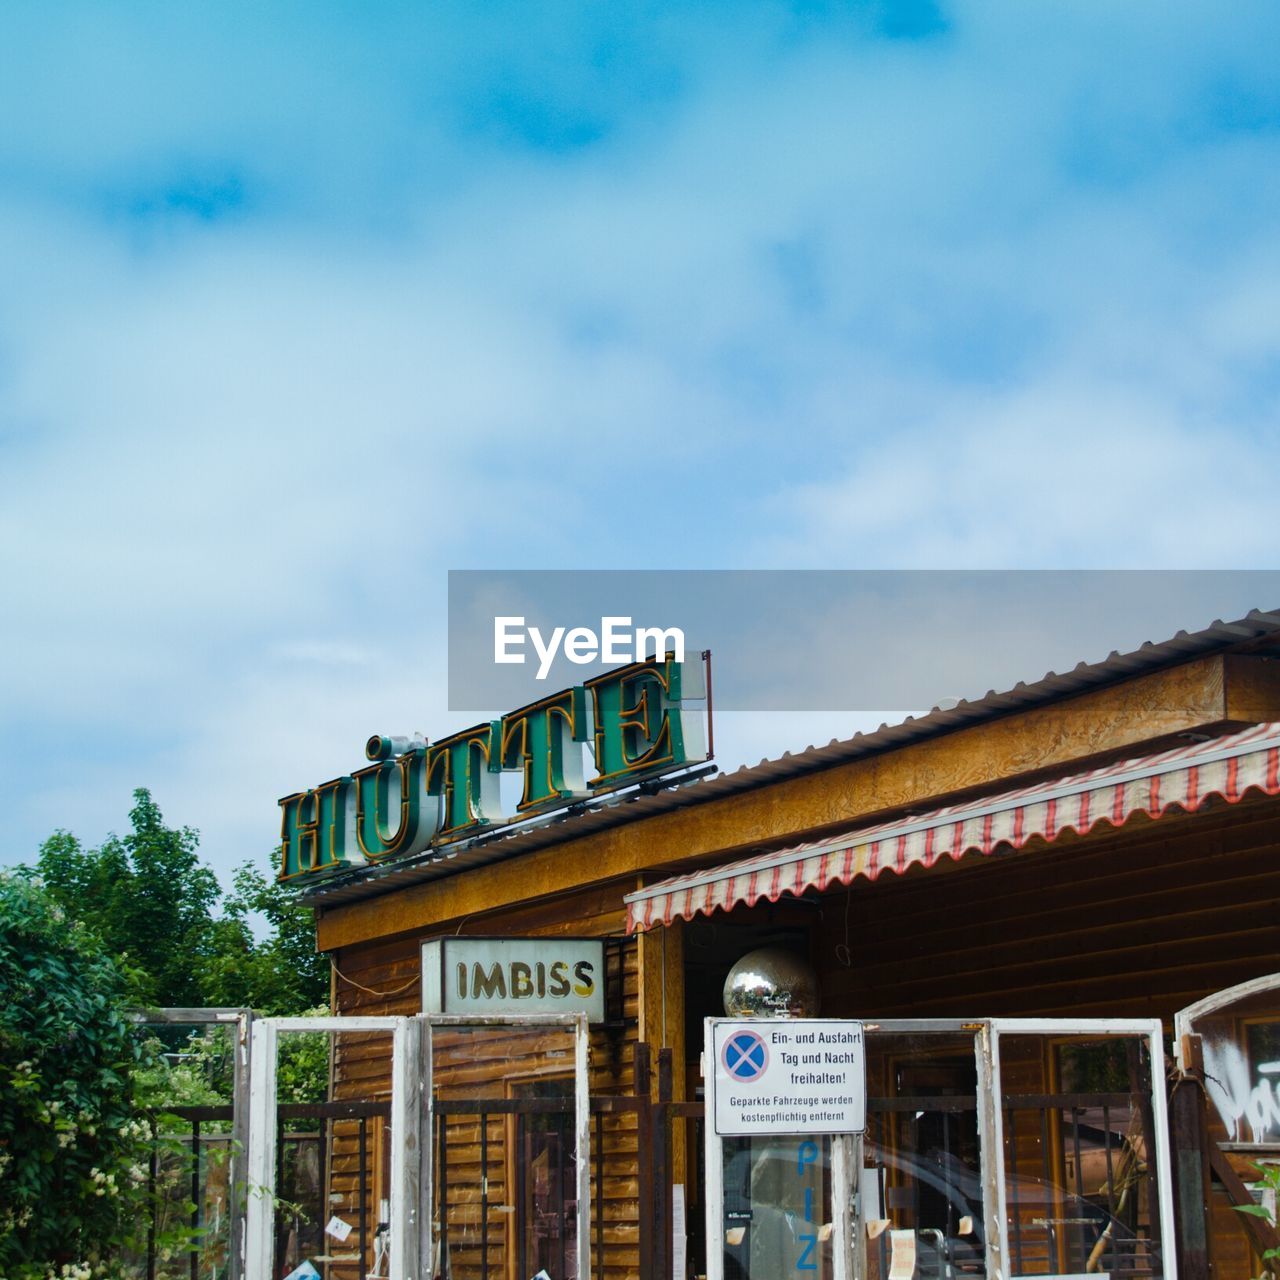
{"points": [[1079, 1168], [922, 1193], [1241, 1046], [504, 1158], [777, 1207], [185, 1092], [333, 1099]]}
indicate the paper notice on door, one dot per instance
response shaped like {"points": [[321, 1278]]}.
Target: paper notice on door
{"points": [[679, 1232], [338, 1229], [902, 1255], [871, 1193]]}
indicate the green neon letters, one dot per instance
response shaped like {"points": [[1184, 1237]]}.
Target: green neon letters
{"points": [[415, 821], [639, 726], [317, 829], [540, 741], [417, 795], [463, 770]]}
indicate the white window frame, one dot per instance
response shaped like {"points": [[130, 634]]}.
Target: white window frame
{"points": [[577, 1023], [406, 1110], [241, 1019], [1189, 1022], [850, 1243], [844, 1148], [1149, 1029], [979, 1030]]}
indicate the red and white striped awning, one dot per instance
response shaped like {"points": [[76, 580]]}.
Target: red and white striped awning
{"points": [[1184, 778]]}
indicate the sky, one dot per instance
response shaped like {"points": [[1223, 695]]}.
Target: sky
{"points": [[303, 305]]}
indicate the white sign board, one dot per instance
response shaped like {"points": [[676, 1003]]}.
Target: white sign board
{"points": [[797, 1075], [514, 975]]}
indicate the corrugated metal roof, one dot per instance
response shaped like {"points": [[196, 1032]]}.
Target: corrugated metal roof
{"points": [[697, 788]]}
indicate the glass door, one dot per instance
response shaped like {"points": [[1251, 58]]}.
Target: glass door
{"points": [[354, 1224], [506, 1159], [778, 1204], [923, 1201], [1083, 1174]]}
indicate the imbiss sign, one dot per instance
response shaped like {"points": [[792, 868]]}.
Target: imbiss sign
{"points": [[514, 975]]}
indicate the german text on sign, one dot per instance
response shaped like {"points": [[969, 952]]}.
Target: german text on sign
{"points": [[789, 1076]]}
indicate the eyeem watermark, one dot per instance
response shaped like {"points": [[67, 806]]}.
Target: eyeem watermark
{"points": [[616, 641], [822, 640]]}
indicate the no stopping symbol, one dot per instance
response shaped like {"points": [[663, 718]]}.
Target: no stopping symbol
{"points": [[745, 1056]]}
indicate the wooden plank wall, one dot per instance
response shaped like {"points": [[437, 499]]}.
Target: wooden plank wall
{"points": [[1234, 1256], [384, 978], [364, 1060], [1139, 924], [480, 1198]]}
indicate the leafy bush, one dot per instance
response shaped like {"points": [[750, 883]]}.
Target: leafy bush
{"points": [[73, 1156], [302, 1074], [1268, 1180], [200, 1073]]}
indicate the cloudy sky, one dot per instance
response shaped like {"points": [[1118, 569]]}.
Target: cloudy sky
{"points": [[302, 305]]}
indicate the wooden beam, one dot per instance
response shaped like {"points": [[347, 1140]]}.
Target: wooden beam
{"points": [[1251, 687], [1261, 1233], [661, 961], [1073, 732]]}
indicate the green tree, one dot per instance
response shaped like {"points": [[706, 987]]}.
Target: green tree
{"points": [[155, 905], [147, 897], [72, 1155], [279, 973]]}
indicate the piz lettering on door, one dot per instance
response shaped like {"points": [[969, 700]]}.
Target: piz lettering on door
{"points": [[807, 1154]]}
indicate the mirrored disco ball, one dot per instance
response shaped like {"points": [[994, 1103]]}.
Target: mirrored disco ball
{"points": [[771, 983]]}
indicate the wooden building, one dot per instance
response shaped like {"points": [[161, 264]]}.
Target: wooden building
{"points": [[1099, 844]]}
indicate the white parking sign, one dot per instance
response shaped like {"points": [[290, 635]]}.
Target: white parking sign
{"points": [[788, 1076]]}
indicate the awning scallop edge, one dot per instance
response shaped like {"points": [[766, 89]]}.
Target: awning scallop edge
{"points": [[1182, 778]]}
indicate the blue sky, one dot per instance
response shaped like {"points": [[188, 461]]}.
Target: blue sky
{"points": [[303, 305]]}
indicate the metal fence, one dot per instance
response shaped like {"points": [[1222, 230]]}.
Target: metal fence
{"points": [[192, 1186]]}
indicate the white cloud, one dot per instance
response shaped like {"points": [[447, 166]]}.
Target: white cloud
{"points": [[1053, 474], [1001, 297]]}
